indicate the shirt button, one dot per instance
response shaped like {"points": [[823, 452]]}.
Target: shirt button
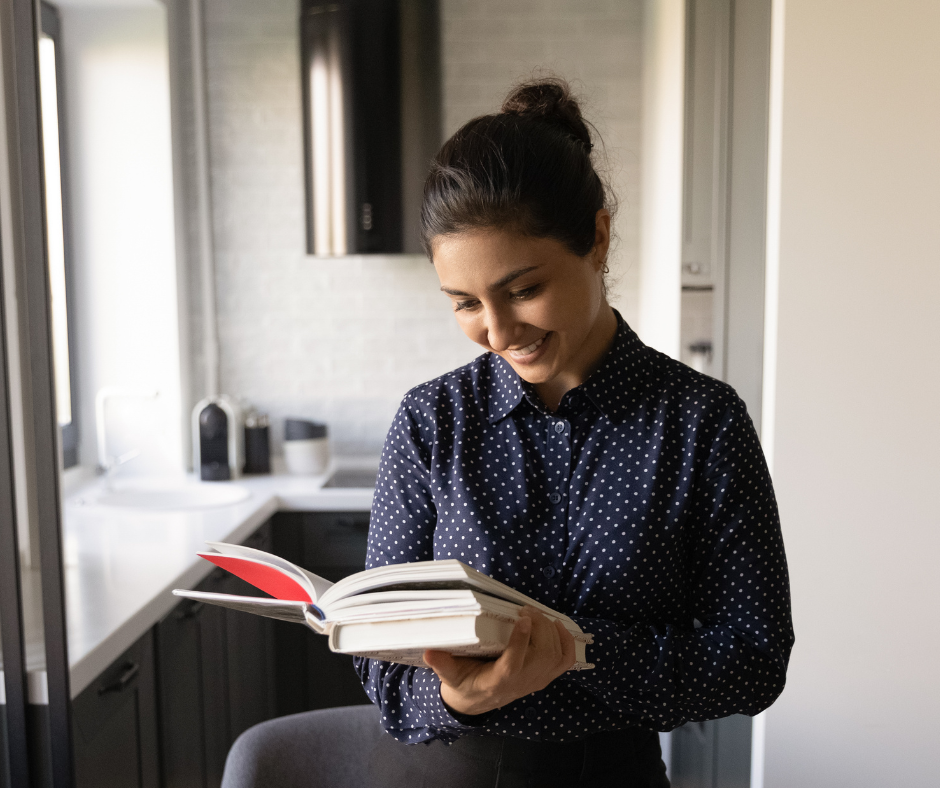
{"points": [[559, 426], [531, 713], [555, 497], [548, 571]]}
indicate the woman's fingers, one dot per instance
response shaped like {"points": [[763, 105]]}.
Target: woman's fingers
{"points": [[567, 646], [443, 664], [552, 629], [512, 660], [539, 650], [546, 641], [548, 651]]}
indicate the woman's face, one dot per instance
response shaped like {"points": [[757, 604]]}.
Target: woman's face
{"points": [[531, 301]]}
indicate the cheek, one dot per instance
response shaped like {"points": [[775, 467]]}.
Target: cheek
{"points": [[566, 307], [473, 328], [580, 300]]}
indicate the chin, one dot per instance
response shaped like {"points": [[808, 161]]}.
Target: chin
{"points": [[533, 376]]}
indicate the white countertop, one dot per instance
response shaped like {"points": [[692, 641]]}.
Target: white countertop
{"points": [[121, 564]]}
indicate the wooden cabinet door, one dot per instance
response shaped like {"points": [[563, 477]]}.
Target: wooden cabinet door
{"points": [[249, 653], [216, 679], [192, 673], [114, 724]]}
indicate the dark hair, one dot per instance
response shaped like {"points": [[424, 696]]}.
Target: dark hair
{"points": [[527, 168]]}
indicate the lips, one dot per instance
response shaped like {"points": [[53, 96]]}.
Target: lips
{"points": [[528, 350]]}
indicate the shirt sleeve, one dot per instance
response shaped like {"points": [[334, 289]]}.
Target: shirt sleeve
{"points": [[735, 661], [401, 530]]}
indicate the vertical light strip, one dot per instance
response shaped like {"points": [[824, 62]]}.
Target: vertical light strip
{"points": [[320, 142], [772, 275], [327, 138], [337, 144], [55, 238], [771, 304], [758, 729], [662, 174], [210, 323]]}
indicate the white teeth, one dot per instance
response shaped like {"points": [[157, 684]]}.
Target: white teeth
{"points": [[527, 350]]}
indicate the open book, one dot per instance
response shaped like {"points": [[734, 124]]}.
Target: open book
{"points": [[392, 613]]}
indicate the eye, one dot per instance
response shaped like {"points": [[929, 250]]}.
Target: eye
{"points": [[527, 292], [460, 306]]}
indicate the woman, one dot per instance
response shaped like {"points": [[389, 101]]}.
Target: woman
{"points": [[581, 467]]}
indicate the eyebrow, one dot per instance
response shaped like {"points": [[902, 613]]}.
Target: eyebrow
{"points": [[497, 285]]}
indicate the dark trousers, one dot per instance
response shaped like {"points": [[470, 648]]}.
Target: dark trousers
{"points": [[625, 759]]}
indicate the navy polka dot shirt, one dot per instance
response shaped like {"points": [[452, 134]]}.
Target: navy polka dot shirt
{"points": [[642, 508]]}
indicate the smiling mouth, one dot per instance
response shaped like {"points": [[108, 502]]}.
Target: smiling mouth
{"points": [[528, 350]]}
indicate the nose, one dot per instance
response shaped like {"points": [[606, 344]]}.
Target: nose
{"points": [[501, 329]]}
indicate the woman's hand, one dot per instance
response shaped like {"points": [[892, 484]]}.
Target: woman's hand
{"points": [[539, 651]]}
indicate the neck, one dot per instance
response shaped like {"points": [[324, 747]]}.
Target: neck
{"points": [[595, 347]]}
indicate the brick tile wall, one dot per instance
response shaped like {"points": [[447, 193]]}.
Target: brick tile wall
{"points": [[342, 340]]}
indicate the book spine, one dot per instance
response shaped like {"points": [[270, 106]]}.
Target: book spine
{"points": [[317, 624]]}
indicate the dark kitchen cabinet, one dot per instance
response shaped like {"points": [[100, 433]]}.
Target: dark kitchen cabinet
{"points": [[192, 693], [114, 723], [249, 653], [309, 675], [167, 711], [215, 671]]}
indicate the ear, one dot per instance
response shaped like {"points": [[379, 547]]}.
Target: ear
{"points": [[601, 238]]}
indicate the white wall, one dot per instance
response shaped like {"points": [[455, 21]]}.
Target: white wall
{"points": [[659, 283], [487, 45], [342, 340], [857, 426], [121, 199]]}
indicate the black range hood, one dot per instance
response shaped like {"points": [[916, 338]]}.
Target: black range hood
{"points": [[372, 121]]}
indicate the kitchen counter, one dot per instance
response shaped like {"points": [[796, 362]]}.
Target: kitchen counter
{"points": [[122, 564]]}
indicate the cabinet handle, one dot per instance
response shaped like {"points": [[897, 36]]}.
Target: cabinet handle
{"points": [[127, 675], [191, 611]]}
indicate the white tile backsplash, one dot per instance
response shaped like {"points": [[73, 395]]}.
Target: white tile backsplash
{"points": [[341, 340]]}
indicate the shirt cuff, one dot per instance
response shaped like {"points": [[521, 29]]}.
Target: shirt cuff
{"points": [[426, 692]]}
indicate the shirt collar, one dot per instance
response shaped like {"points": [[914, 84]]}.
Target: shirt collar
{"points": [[505, 388], [614, 388], [618, 384]]}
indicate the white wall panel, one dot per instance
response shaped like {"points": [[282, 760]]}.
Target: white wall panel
{"points": [[856, 423]]}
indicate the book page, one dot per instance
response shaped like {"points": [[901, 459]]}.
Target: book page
{"points": [[449, 573], [294, 612], [440, 598]]}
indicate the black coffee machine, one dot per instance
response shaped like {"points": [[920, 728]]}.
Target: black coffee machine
{"points": [[218, 439]]}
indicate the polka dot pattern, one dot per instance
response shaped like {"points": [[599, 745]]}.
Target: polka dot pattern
{"points": [[642, 508]]}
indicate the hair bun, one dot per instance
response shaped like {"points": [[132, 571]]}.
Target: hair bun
{"points": [[550, 100]]}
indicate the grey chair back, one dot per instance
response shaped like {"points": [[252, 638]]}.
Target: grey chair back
{"points": [[328, 748]]}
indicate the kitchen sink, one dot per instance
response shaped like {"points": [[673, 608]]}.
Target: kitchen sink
{"points": [[181, 497]]}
